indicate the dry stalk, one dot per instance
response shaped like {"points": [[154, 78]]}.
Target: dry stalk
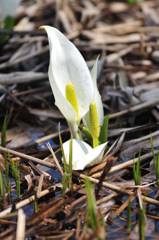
{"points": [[25, 202], [20, 232], [55, 158], [104, 184], [126, 164], [22, 155]]}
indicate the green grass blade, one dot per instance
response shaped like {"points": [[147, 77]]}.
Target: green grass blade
{"points": [[15, 171], [91, 204], [142, 223], [4, 182], [136, 171], [63, 155], [129, 216], [18, 181], [7, 174], [157, 168], [70, 162], [3, 142], [1, 181], [35, 202], [154, 159]]}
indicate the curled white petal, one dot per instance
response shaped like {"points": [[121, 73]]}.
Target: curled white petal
{"points": [[83, 155], [80, 149], [67, 65]]}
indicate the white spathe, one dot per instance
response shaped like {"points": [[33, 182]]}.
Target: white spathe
{"points": [[96, 98], [8, 8], [83, 155], [68, 66]]}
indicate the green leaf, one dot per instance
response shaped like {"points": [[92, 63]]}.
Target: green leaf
{"points": [[86, 131], [104, 130], [9, 22]]}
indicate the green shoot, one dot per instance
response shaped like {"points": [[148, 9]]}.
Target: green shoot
{"points": [[136, 171], [157, 168], [15, 171], [3, 179], [3, 141], [63, 155], [67, 178], [1, 185], [142, 222], [7, 185], [35, 202], [155, 160], [70, 163], [129, 215], [94, 220], [91, 212]]}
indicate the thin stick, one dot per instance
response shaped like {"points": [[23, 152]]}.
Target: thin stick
{"points": [[124, 205], [48, 137], [126, 164], [22, 155], [150, 200], [40, 185], [27, 201], [20, 232], [104, 184], [134, 109], [130, 162], [55, 158]]}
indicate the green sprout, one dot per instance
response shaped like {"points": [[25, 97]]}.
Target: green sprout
{"points": [[137, 172], [70, 163], [35, 200], [67, 178], [16, 176], [1, 184], [142, 222], [91, 212], [95, 220], [3, 142], [14, 168], [129, 215]]}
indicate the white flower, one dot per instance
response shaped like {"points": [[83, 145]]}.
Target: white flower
{"points": [[68, 66], [8, 7], [83, 155]]}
